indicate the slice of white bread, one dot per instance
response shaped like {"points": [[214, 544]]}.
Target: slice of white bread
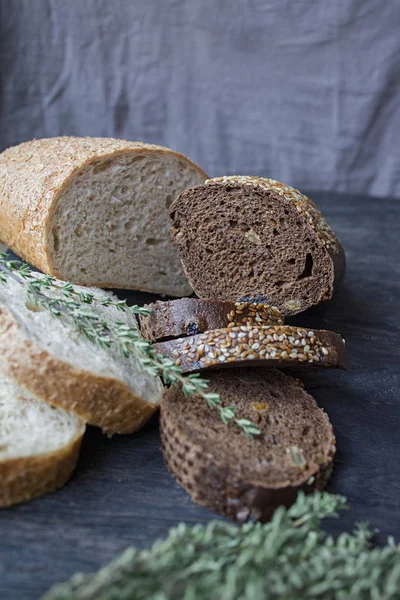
{"points": [[59, 365], [94, 211], [39, 445]]}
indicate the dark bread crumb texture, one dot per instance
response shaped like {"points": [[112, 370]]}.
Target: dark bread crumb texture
{"points": [[238, 476], [278, 345], [241, 237], [190, 316]]}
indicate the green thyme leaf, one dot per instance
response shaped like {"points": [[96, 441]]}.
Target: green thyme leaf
{"points": [[227, 413], [248, 427], [289, 558]]}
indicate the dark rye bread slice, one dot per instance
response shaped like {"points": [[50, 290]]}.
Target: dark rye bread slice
{"points": [[268, 346], [189, 316], [237, 476], [243, 237]]}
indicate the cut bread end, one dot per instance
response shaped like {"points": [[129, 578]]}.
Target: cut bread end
{"points": [[39, 445], [240, 237], [110, 226]]}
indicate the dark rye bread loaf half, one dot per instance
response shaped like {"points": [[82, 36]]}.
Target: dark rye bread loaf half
{"points": [[189, 316], [240, 238], [246, 345], [237, 476]]}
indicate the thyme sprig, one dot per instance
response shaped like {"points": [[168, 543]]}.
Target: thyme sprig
{"points": [[70, 303], [289, 558]]}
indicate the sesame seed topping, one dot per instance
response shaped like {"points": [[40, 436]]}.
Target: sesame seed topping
{"points": [[273, 342]]}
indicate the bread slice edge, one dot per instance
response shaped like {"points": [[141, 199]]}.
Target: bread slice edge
{"points": [[99, 400], [29, 477]]}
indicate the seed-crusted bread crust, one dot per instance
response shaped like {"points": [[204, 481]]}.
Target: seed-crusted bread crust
{"points": [[257, 237], [99, 400], [277, 346], [238, 477], [34, 179], [304, 205], [189, 316]]}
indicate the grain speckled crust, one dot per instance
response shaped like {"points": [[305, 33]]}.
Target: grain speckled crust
{"points": [[23, 479], [247, 345], [33, 177], [231, 485], [189, 316], [98, 400], [304, 205]]}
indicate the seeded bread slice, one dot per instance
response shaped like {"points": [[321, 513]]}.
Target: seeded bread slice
{"points": [[60, 366], [241, 237], [94, 211], [39, 445], [274, 345], [189, 316], [236, 476]]}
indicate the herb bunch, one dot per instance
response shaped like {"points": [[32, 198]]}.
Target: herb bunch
{"points": [[289, 558], [69, 303]]}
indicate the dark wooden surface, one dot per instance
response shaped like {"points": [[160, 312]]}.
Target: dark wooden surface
{"points": [[122, 494]]}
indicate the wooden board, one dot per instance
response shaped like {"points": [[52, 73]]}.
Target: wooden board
{"points": [[122, 494]]}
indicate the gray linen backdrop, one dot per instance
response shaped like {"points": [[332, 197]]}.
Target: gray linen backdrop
{"points": [[305, 91]]}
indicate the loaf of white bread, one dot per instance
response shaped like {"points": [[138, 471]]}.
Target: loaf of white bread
{"points": [[94, 211]]}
